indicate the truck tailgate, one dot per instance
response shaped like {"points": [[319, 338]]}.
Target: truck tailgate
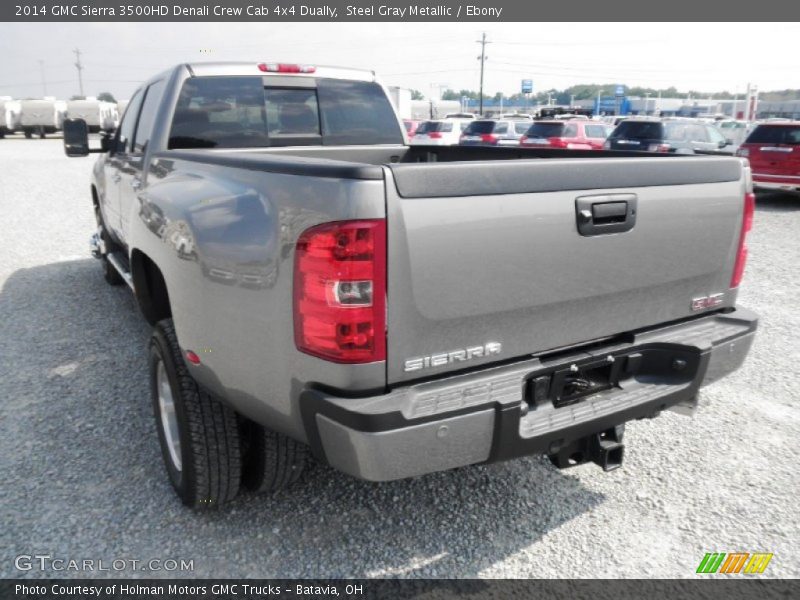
{"points": [[498, 255]]}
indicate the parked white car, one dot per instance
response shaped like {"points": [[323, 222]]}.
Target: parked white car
{"points": [[444, 132]]}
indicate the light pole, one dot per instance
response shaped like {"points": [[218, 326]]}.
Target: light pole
{"points": [[482, 58], [647, 103]]}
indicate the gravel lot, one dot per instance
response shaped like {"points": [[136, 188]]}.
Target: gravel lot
{"points": [[82, 473]]}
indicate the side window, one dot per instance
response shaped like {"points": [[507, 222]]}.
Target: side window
{"points": [[570, 131], [714, 135], [595, 131], [128, 124], [148, 115], [697, 133], [501, 128]]}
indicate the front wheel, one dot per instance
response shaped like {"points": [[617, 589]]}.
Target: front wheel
{"points": [[199, 436]]}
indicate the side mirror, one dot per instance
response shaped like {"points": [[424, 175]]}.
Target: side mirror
{"points": [[729, 142], [107, 140], [76, 137]]}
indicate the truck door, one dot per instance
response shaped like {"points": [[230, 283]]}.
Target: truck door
{"points": [[110, 198], [131, 163]]}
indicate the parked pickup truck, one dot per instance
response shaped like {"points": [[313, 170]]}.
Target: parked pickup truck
{"points": [[318, 287]]}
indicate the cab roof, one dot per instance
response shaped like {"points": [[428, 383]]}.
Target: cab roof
{"points": [[240, 68]]}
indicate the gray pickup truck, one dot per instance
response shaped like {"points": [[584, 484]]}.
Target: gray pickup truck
{"points": [[319, 288]]}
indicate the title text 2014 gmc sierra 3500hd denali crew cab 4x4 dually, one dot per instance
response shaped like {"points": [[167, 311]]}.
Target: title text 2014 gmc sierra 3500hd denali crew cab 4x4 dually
{"points": [[318, 286]]}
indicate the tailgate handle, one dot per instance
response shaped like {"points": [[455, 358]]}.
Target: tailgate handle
{"points": [[606, 213]]}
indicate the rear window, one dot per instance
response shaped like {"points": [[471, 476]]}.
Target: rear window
{"points": [[775, 134], [432, 126], [633, 130], [545, 130], [595, 131], [480, 127], [238, 112], [522, 126]]}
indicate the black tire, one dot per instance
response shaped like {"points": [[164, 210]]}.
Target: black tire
{"points": [[110, 274], [28, 133], [271, 461], [210, 471]]}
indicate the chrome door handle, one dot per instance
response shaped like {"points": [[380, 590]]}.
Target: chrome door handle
{"points": [[116, 178], [136, 184]]}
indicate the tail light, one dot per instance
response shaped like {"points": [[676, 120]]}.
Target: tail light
{"points": [[523, 140], [747, 225], [489, 138], [285, 68], [658, 148], [340, 291], [557, 142], [435, 135]]}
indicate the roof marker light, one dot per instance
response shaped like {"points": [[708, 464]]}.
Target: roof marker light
{"points": [[285, 68]]}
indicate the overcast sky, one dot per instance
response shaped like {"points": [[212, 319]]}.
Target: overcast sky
{"points": [[699, 56]]}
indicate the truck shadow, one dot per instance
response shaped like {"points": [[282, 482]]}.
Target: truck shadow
{"points": [[777, 202], [84, 466]]}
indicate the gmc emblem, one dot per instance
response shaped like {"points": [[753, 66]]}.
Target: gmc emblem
{"points": [[704, 302]]}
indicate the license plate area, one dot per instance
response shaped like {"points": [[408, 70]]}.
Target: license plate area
{"points": [[570, 383]]}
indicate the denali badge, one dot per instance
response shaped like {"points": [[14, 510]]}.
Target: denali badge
{"points": [[707, 301], [454, 356]]}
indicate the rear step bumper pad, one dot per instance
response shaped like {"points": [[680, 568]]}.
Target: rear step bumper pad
{"points": [[488, 415]]}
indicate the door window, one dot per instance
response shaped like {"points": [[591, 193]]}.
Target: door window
{"points": [[144, 129], [128, 124]]}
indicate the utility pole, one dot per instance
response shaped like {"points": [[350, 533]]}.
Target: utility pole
{"points": [[79, 66], [747, 96], [482, 58], [44, 83]]}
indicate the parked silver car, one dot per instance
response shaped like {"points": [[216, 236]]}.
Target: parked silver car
{"points": [[491, 132]]}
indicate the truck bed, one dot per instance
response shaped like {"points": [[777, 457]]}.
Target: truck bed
{"points": [[485, 245]]}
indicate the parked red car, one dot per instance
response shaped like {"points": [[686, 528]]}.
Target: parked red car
{"points": [[773, 150], [411, 126], [575, 134]]}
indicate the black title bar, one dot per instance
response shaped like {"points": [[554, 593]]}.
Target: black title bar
{"points": [[277, 11], [743, 588]]}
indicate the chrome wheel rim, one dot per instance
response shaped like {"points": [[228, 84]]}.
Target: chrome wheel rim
{"points": [[169, 418]]}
